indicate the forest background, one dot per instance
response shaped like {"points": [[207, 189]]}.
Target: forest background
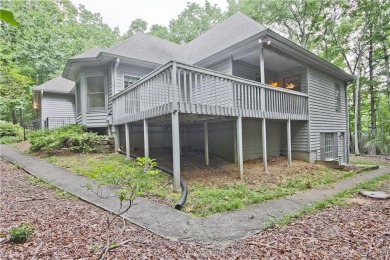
{"points": [[352, 34]]}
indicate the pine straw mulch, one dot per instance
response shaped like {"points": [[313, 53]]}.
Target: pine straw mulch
{"points": [[66, 228]]}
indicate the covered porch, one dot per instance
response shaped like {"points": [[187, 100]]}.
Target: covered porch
{"points": [[181, 99]]}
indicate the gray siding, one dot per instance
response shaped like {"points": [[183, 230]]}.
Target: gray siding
{"points": [[252, 139], [323, 117], [57, 105], [251, 72], [96, 119], [221, 138], [129, 70], [223, 66]]}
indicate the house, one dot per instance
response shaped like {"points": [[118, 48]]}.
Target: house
{"points": [[239, 91], [54, 102]]}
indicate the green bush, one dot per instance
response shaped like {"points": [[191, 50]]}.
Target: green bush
{"points": [[10, 133], [72, 138], [20, 233]]}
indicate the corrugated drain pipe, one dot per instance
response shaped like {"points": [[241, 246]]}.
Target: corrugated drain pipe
{"points": [[179, 205]]}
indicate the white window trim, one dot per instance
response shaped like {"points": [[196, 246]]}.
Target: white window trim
{"points": [[129, 75], [94, 75]]}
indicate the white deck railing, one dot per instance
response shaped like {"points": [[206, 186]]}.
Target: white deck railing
{"points": [[190, 89]]}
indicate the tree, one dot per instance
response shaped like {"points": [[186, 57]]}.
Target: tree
{"points": [[50, 32], [194, 21], [160, 31], [15, 93], [136, 26]]}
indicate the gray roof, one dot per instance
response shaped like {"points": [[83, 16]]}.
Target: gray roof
{"points": [[231, 31], [153, 49], [235, 31], [148, 48], [58, 85], [91, 53]]}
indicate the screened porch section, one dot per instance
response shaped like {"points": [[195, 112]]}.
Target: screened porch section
{"points": [[189, 89]]}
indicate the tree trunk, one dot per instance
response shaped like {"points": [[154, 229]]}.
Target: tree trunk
{"points": [[357, 104], [372, 149], [387, 71], [13, 115]]}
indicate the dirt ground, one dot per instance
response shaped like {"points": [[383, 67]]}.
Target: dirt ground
{"points": [[193, 168], [68, 228]]}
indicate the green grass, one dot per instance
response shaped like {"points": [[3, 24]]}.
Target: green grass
{"points": [[338, 199], [204, 200], [362, 160], [91, 165]]}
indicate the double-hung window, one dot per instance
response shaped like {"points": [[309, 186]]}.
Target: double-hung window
{"points": [[129, 80], [96, 93]]}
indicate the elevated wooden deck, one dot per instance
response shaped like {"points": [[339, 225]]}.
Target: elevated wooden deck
{"points": [[189, 89]]}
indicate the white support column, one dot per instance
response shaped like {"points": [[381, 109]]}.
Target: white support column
{"points": [[127, 132], [262, 74], [146, 139], [289, 141], [176, 150], [206, 143], [116, 138], [264, 141], [239, 147]]}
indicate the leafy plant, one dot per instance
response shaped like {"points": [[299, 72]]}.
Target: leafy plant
{"points": [[121, 184], [10, 133], [72, 138], [20, 233]]}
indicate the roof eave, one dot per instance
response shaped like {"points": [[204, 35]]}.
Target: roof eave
{"points": [[311, 58], [127, 59]]}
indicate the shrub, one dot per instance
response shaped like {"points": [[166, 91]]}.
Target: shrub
{"points": [[20, 233], [72, 138], [10, 133]]}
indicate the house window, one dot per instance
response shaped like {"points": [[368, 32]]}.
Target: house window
{"points": [[328, 146], [96, 94], [338, 97], [129, 80]]}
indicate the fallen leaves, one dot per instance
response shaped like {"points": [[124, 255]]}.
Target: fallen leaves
{"points": [[69, 228]]}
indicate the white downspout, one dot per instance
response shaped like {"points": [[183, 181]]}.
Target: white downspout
{"points": [[114, 81], [113, 92]]}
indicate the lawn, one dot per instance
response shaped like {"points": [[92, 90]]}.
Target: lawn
{"points": [[209, 196]]}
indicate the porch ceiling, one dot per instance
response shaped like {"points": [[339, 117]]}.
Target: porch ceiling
{"points": [[273, 61]]}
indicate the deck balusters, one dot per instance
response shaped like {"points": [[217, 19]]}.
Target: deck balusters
{"points": [[205, 92]]}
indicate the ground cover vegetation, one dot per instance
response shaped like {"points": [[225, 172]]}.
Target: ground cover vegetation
{"points": [[211, 195], [357, 229], [10, 133], [70, 138]]}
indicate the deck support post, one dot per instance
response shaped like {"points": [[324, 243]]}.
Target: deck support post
{"points": [[127, 132], [239, 147], [116, 138], [264, 141], [176, 150], [262, 74], [146, 141], [206, 143], [289, 141]]}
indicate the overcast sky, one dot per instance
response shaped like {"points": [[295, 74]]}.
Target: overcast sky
{"points": [[121, 12]]}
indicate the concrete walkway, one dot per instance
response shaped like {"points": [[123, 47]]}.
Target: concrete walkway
{"points": [[218, 229]]}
